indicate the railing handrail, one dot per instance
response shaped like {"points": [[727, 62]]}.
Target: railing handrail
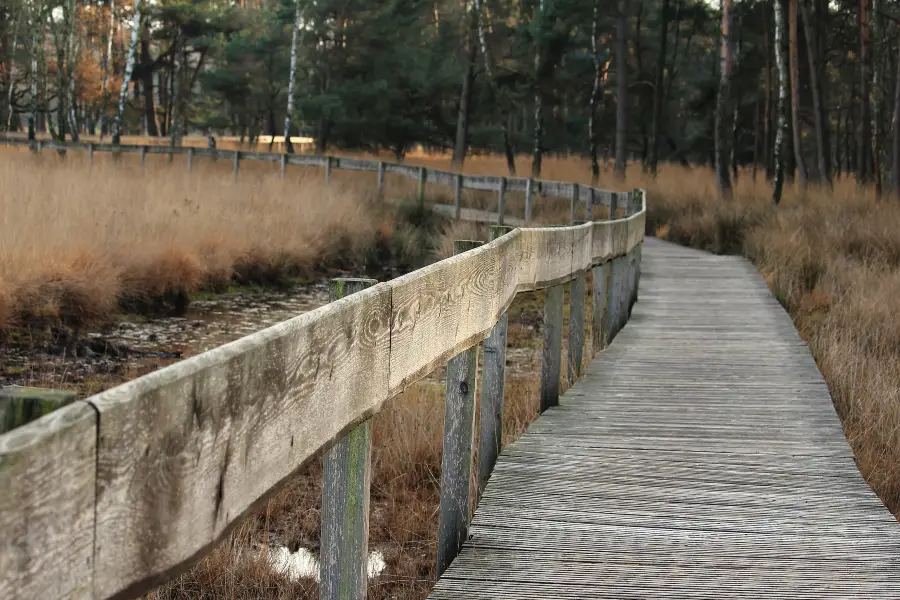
{"points": [[111, 495]]}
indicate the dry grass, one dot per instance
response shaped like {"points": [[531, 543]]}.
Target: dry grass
{"points": [[76, 240]]}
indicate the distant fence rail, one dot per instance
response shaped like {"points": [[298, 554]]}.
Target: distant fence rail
{"points": [[109, 496], [576, 193]]}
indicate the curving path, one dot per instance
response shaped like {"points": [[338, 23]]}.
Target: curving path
{"points": [[699, 457]]}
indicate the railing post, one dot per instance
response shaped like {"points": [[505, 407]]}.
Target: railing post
{"points": [[347, 477], [599, 327], [491, 405], [456, 461], [589, 205], [529, 198], [380, 175], [552, 353], [327, 170], [190, 160], [615, 300], [237, 164], [91, 153], [613, 205], [575, 351], [143, 155], [421, 190], [573, 202], [458, 196], [284, 162], [501, 200]]}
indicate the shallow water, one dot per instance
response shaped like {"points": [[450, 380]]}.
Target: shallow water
{"points": [[138, 345]]}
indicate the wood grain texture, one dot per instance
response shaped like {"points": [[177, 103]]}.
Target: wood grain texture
{"points": [[575, 348], [600, 297], [546, 256], [699, 457], [347, 478], [187, 450], [456, 456], [47, 492], [551, 357], [441, 310]]}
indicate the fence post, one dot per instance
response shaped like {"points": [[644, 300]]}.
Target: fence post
{"points": [[576, 325], [347, 477], [614, 302], [327, 170], [237, 163], [599, 331], [491, 405], [284, 158], [456, 461], [613, 204], [421, 191], [552, 354], [380, 175], [501, 200], [190, 160], [91, 153], [457, 195], [529, 197], [573, 202], [143, 155], [589, 205]]}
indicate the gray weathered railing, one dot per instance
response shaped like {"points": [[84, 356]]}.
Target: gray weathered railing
{"points": [[111, 495], [574, 192]]}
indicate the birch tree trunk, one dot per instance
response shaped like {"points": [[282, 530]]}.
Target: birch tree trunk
{"points": [[802, 175], [653, 159], [36, 22], [723, 103], [126, 78], [781, 127], [875, 92], [12, 72], [864, 150], [177, 92], [292, 76], [823, 151], [767, 110], [595, 93], [107, 69], [621, 89], [465, 97]]}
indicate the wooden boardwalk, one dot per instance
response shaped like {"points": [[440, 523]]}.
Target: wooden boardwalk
{"points": [[699, 457]]}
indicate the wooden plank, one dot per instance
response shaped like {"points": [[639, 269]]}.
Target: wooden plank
{"points": [[47, 493], [600, 296], [186, 451], [408, 171], [438, 177], [517, 184], [493, 380], [501, 201], [481, 182], [546, 256], [576, 328], [441, 310], [456, 458], [347, 479], [552, 351], [345, 163]]}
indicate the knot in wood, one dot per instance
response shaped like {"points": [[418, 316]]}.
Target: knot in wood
{"points": [[463, 387]]}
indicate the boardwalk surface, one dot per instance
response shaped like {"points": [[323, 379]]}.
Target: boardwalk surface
{"points": [[699, 457]]}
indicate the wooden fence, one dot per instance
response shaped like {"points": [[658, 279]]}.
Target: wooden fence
{"points": [[112, 495], [576, 193]]}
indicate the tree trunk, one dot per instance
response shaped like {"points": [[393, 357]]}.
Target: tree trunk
{"points": [[538, 131], [147, 84], [595, 93], [723, 104], [795, 94], [767, 118], [177, 92], [12, 73], [107, 69], [33, 74], [292, 75], [895, 162], [864, 150], [823, 150], [875, 91], [465, 96], [755, 136], [129, 67], [621, 89], [781, 129], [653, 160]]}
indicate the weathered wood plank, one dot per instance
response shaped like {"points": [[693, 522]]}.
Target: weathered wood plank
{"points": [[456, 458], [600, 297], [47, 493], [481, 182], [184, 452], [552, 351], [576, 328], [347, 478]]}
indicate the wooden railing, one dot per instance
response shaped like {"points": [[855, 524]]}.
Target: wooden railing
{"points": [[109, 496], [575, 193]]}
